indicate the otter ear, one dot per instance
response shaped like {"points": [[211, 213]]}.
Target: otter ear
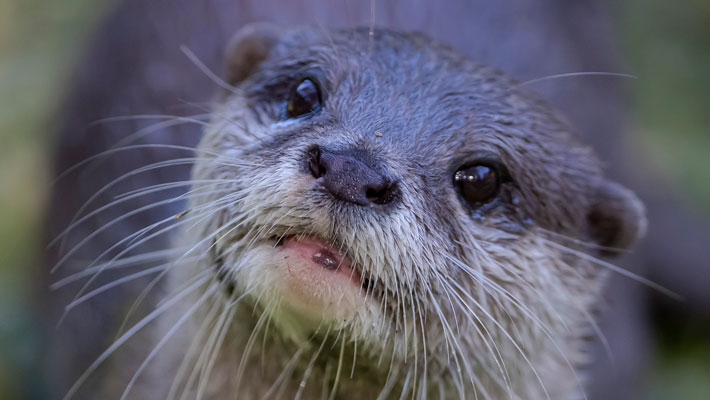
{"points": [[616, 217], [248, 48]]}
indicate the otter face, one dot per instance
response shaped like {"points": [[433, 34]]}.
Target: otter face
{"points": [[388, 191]]}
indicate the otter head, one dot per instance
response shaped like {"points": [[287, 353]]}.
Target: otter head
{"points": [[388, 193]]}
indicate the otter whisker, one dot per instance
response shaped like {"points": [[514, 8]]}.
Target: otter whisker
{"points": [[252, 338], [477, 324], [210, 236], [494, 350], [585, 243], [197, 118], [198, 368], [334, 389], [635, 277], [205, 361], [130, 239], [144, 132], [390, 381], [200, 185], [139, 299], [260, 231], [264, 337], [287, 370], [505, 333], [112, 151], [371, 31], [192, 348], [206, 71], [580, 307], [577, 74], [95, 275], [352, 368], [127, 262], [405, 386], [137, 327], [213, 208], [400, 306], [169, 334], [148, 288], [113, 284], [108, 225], [450, 341], [309, 368], [547, 332], [204, 378], [423, 380], [485, 282], [146, 168], [530, 315], [62, 236], [418, 343]]}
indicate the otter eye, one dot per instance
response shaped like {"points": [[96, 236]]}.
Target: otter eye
{"points": [[478, 183], [304, 99]]}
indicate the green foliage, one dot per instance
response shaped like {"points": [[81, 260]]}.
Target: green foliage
{"points": [[38, 43], [668, 44]]}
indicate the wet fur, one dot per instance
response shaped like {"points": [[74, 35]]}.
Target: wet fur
{"points": [[485, 303], [74, 146]]}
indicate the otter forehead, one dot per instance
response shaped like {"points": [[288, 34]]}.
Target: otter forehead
{"points": [[405, 84], [424, 111]]}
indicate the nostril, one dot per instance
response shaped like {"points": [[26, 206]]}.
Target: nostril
{"points": [[315, 165], [380, 194], [373, 194]]}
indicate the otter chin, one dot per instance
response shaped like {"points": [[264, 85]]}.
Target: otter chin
{"points": [[316, 279]]}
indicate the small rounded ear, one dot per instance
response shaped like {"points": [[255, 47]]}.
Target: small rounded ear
{"points": [[248, 48], [616, 217]]}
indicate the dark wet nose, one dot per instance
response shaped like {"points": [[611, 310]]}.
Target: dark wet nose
{"points": [[351, 176]]}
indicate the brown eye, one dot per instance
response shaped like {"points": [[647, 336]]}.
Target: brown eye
{"points": [[478, 184], [305, 99]]}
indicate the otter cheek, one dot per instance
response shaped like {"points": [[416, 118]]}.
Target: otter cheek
{"points": [[316, 280]]}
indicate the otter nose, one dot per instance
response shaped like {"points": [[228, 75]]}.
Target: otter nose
{"points": [[351, 176]]}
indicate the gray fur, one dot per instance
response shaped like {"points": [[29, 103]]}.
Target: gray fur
{"points": [[135, 66], [465, 301]]}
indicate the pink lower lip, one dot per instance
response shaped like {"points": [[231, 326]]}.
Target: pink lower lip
{"points": [[321, 253]]}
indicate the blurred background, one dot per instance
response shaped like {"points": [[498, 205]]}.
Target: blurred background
{"points": [[667, 47]]}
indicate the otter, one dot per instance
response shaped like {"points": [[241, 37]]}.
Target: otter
{"points": [[372, 212], [417, 242], [429, 247]]}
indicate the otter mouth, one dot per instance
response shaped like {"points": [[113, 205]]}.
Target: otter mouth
{"points": [[307, 273], [323, 254]]}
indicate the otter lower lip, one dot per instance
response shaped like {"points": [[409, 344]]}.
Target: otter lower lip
{"points": [[321, 252]]}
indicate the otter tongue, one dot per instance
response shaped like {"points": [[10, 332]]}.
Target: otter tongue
{"points": [[319, 251]]}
